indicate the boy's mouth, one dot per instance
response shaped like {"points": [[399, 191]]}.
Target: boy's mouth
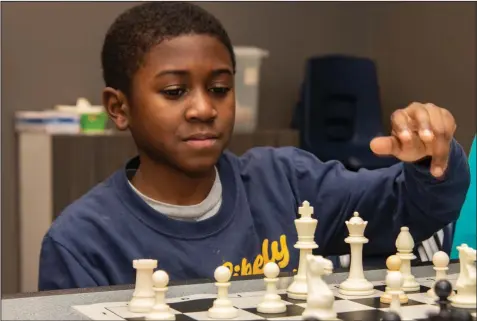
{"points": [[202, 140]]}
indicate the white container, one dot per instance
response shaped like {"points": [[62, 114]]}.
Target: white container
{"points": [[47, 121], [247, 87]]}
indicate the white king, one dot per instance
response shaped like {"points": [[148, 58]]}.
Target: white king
{"points": [[306, 227], [356, 284]]}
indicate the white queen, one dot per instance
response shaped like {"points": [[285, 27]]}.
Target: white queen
{"points": [[356, 284]]}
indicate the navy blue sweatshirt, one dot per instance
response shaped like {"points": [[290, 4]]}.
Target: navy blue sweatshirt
{"points": [[94, 241]]}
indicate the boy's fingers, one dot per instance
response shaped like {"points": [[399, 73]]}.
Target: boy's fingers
{"points": [[402, 127], [385, 146]]}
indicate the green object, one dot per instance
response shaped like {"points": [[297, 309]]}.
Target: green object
{"points": [[93, 122], [465, 230]]}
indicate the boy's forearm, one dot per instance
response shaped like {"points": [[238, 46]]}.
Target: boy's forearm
{"points": [[427, 204]]}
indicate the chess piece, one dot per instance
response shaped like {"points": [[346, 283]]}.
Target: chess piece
{"points": [[222, 307], [160, 310], [394, 281], [320, 299], [143, 295], [272, 302], [460, 315], [440, 260], [306, 227], [466, 282], [356, 283], [391, 316], [405, 246], [386, 296], [443, 289]]}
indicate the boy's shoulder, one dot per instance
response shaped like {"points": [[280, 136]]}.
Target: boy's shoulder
{"points": [[84, 213], [285, 158]]}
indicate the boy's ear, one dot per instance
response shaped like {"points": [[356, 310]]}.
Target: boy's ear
{"points": [[117, 108]]}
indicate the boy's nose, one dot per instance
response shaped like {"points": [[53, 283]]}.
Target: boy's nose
{"points": [[201, 109]]}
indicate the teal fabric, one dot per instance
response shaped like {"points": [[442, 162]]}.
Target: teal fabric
{"points": [[465, 231]]}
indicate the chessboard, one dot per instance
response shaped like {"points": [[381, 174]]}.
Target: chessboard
{"points": [[195, 306]]}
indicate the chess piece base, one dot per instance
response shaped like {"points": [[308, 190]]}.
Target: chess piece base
{"points": [[320, 314], [222, 310], [271, 307], [298, 290], [160, 316], [141, 304], [410, 285], [386, 298], [356, 287], [463, 301]]}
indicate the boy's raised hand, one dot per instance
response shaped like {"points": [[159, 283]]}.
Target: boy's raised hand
{"points": [[419, 130]]}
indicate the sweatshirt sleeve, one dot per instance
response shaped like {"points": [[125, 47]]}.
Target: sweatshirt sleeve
{"points": [[405, 194], [59, 269]]}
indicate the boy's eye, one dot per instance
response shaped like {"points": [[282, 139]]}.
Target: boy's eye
{"points": [[220, 90], [174, 92]]}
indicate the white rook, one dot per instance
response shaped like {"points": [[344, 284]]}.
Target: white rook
{"points": [[143, 296]]}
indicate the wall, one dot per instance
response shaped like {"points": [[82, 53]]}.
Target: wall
{"points": [[50, 55], [427, 52]]}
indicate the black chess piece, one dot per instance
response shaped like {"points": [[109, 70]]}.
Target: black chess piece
{"points": [[461, 315], [391, 316], [311, 319], [443, 289]]}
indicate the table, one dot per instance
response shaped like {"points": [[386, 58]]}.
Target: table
{"points": [[56, 305]]}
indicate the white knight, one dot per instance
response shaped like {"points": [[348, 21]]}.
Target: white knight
{"points": [[466, 282], [320, 299]]}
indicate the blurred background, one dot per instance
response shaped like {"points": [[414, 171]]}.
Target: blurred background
{"points": [[323, 76]]}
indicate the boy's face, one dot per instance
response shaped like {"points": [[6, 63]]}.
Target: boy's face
{"points": [[181, 109]]}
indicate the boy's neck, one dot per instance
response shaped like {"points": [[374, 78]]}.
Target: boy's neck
{"points": [[168, 185]]}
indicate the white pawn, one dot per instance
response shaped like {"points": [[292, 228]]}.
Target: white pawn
{"points": [[160, 310], [222, 307], [394, 280], [441, 261], [272, 302]]}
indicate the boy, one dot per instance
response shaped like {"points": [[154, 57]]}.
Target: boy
{"points": [[169, 74]]}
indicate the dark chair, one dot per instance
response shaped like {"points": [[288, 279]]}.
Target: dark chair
{"points": [[339, 112]]}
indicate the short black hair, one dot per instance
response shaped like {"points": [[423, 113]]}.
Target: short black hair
{"points": [[142, 27]]}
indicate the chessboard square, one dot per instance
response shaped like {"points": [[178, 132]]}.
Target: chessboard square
{"points": [[422, 289], [292, 311], [376, 303], [289, 300], [179, 317], [414, 312], [422, 297], [247, 294], [364, 315], [183, 317], [249, 302], [123, 311], [192, 306], [381, 288], [345, 306], [376, 293], [242, 315]]}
